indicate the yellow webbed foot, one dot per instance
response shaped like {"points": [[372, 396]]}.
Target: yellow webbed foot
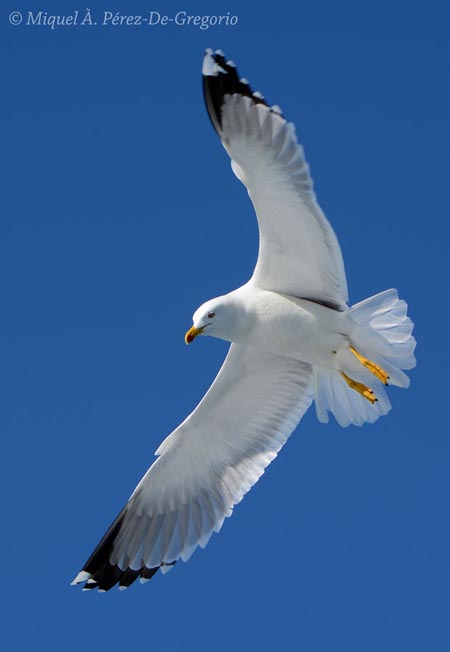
{"points": [[371, 366], [360, 388]]}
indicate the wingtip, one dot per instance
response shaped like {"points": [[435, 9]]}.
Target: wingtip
{"points": [[211, 67], [83, 576], [216, 65]]}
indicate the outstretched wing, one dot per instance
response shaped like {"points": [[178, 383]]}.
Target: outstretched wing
{"points": [[298, 252], [204, 467]]}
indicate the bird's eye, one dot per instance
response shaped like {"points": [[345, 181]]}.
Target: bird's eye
{"points": [[211, 315]]}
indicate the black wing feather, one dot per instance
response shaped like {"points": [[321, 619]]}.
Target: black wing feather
{"points": [[224, 82], [103, 574]]}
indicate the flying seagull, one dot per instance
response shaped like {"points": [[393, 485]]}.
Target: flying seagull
{"points": [[294, 339]]}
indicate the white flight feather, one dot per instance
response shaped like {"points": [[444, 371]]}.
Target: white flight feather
{"points": [[299, 253], [212, 459]]}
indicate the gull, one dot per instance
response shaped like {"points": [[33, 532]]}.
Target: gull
{"points": [[294, 340]]}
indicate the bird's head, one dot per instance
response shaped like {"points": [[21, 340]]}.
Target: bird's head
{"points": [[216, 317]]}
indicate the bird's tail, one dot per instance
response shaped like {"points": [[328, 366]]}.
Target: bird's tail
{"points": [[383, 345]]}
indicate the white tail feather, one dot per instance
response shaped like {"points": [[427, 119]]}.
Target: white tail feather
{"points": [[382, 334], [386, 333]]}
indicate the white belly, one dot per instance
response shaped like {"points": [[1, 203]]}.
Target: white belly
{"points": [[298, 329]]}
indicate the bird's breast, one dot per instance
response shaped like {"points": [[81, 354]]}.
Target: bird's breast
{"points": [[295, 328]]}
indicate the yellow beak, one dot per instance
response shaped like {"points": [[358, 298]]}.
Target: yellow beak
{"points": [[192, 334]]}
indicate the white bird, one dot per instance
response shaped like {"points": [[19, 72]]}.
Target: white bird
{"points": [[293, 340]]}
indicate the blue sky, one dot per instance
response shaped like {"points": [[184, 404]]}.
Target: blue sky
{"points": [[120, 216]]}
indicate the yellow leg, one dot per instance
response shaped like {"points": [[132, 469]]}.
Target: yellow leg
{"points": [[359, 387], [371, 366]]}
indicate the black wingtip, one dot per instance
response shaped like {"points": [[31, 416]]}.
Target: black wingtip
{"points": [[99, 573], [220, 78]]}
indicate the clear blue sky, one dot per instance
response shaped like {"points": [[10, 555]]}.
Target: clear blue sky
{"points": [[120, 216]]}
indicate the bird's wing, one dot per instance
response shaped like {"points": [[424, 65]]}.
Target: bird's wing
{"points": [[298, 252], [204, 467]]}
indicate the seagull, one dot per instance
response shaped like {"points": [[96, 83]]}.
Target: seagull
{"points": [[294, 340]]}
